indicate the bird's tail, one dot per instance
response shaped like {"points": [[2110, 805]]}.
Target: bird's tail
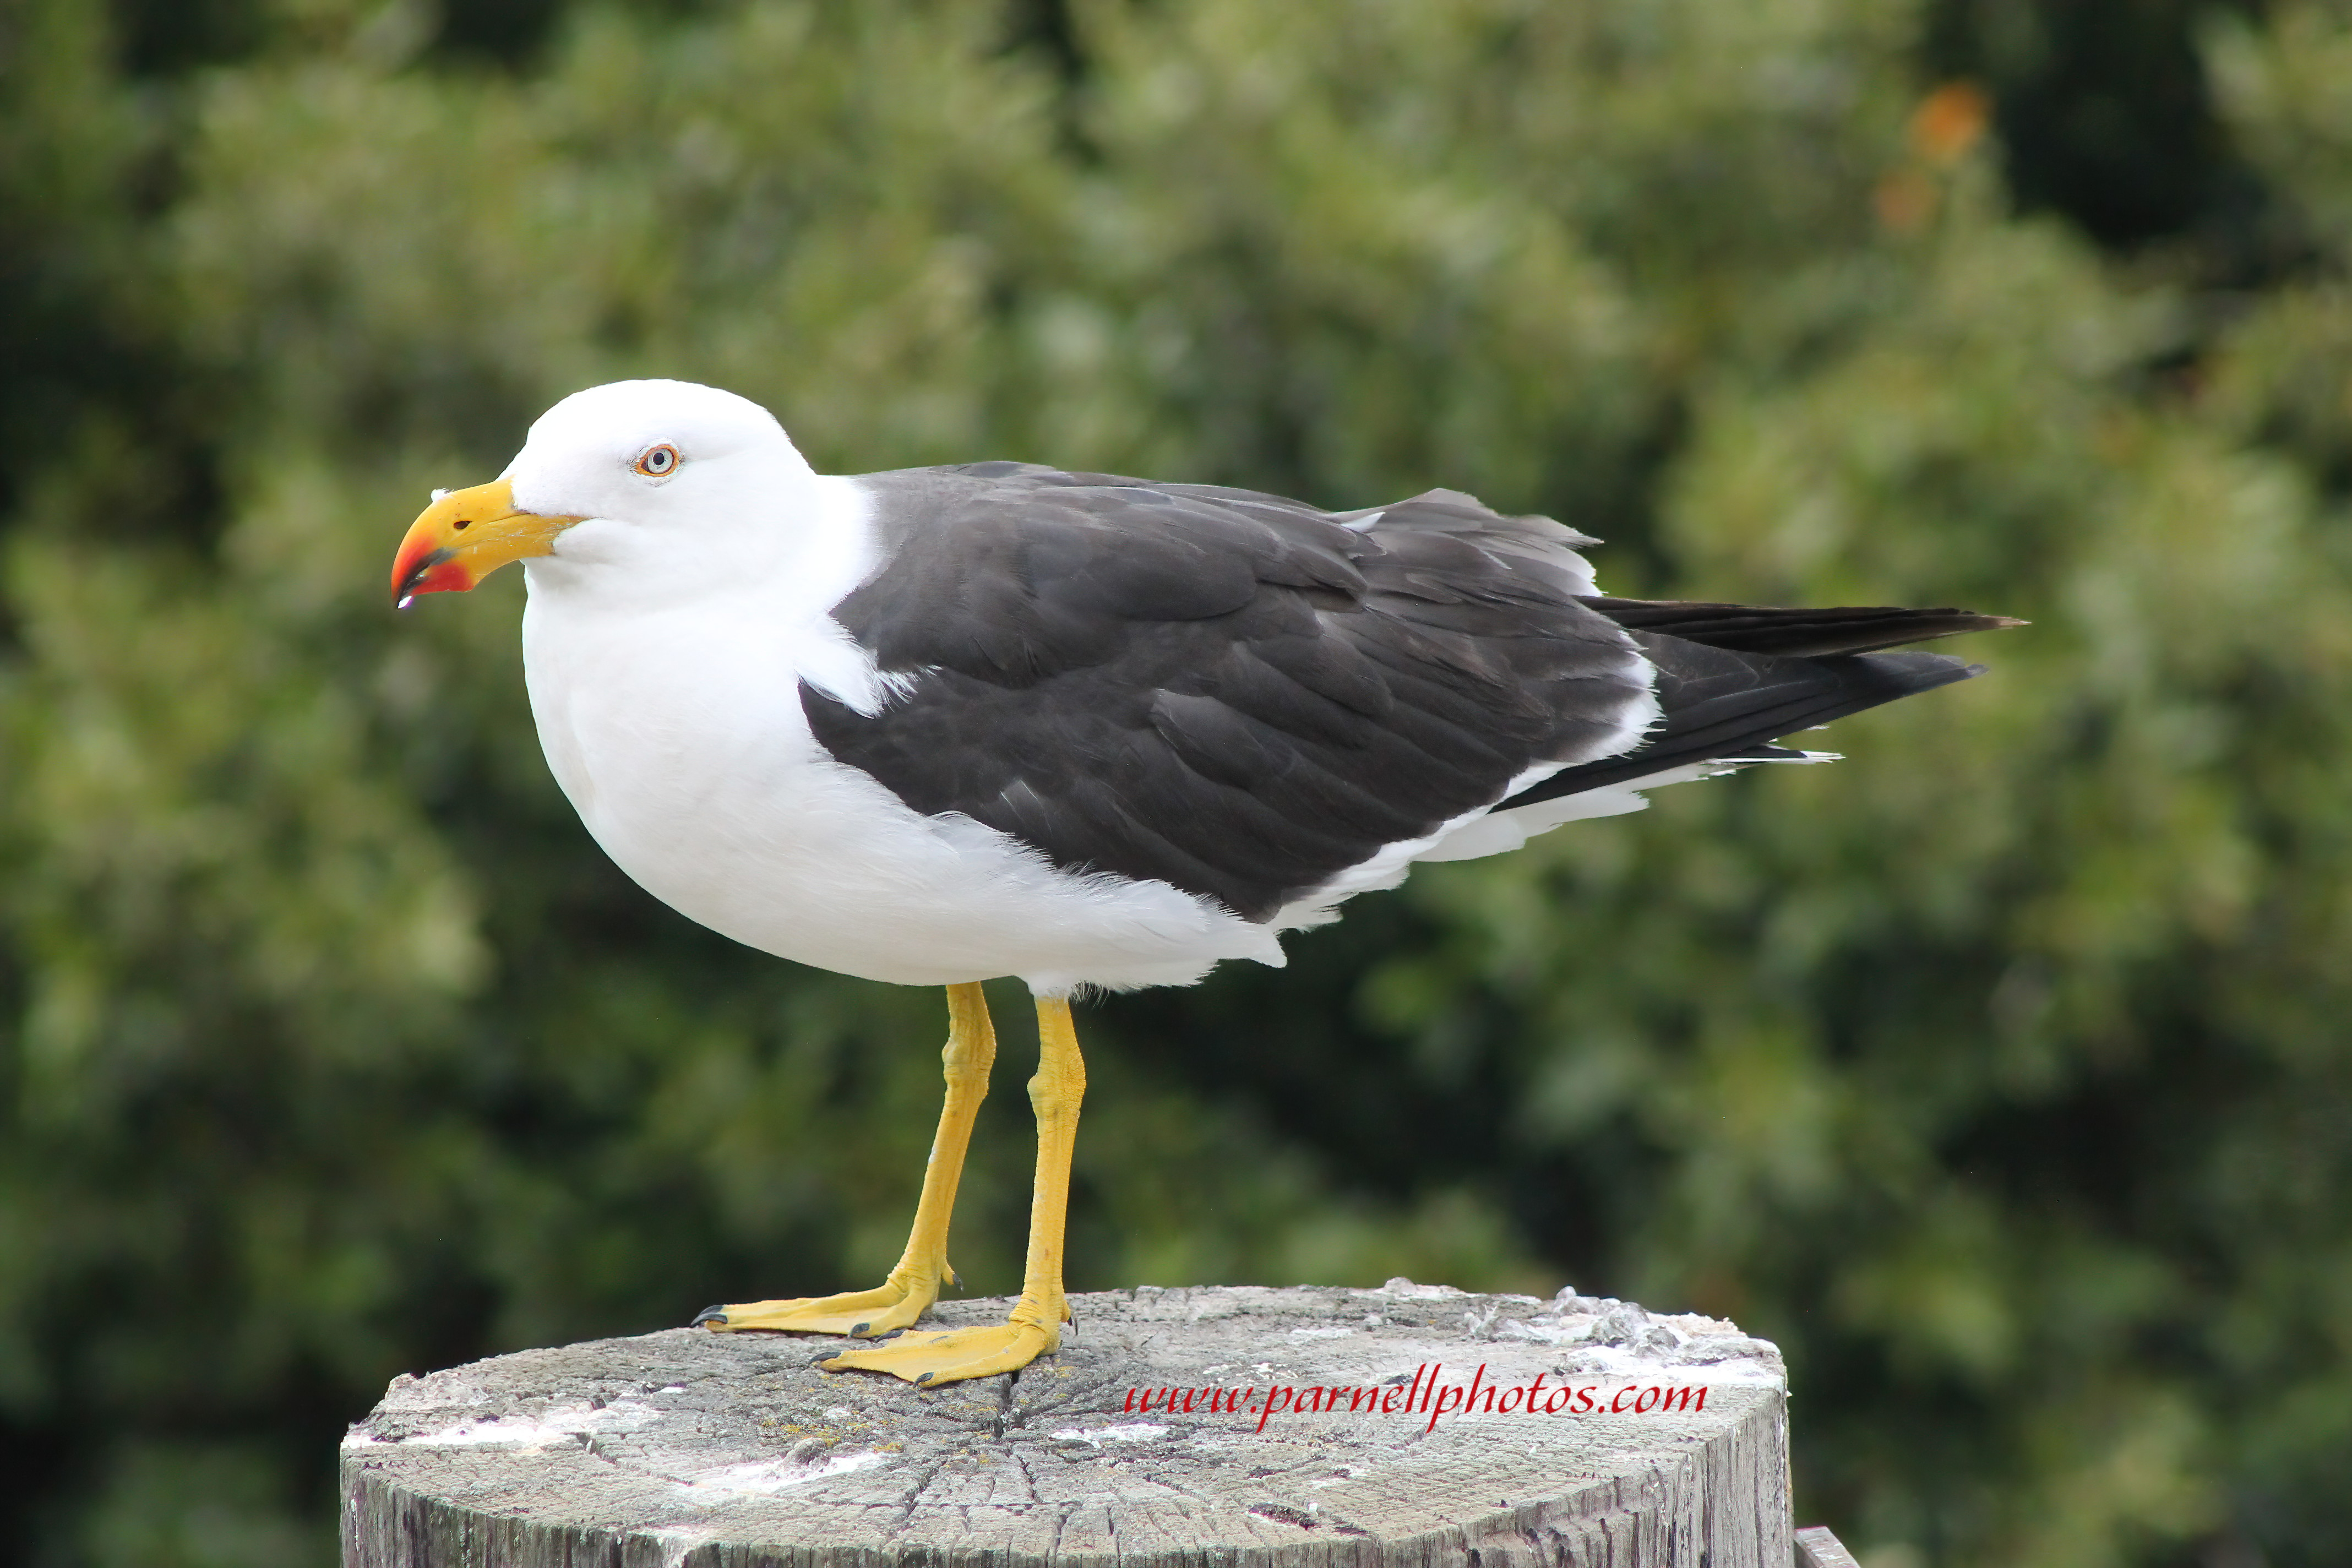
{"points": [[1733, 678]]}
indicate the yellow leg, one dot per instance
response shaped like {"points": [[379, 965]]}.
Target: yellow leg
{"points": [[914, 1285], [1035, 1326]]}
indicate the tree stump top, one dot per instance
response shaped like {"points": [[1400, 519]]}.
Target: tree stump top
{"points": [[1651, 1440]]}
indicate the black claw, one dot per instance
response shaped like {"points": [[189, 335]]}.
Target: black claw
{"points": [[821, 1359], [924, 1378], [708, 1315], [860, 1331]]}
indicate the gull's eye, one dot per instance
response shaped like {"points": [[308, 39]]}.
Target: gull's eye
{"points": [[658, 462]]}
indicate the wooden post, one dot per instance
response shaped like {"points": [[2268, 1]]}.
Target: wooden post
{"points": [[1411, 1424]]}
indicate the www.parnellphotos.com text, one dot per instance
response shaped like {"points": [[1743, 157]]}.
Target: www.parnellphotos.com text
{"points": [[1426, 1394]]}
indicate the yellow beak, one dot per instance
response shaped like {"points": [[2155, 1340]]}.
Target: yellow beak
{"points": [[466, 535]]}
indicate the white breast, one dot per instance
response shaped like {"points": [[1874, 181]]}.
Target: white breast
{"points": [[678, 735]]}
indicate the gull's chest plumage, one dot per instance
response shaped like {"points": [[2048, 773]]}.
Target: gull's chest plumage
{"points": [[680, 738]]}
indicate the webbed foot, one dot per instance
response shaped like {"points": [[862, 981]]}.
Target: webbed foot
{"points": [[860, 1314], [952, 1356]]}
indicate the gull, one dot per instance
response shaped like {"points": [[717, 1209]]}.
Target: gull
{"points": [[941, 725]]}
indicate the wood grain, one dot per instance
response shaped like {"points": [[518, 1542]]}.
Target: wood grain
{"points": [[691, 1449]]}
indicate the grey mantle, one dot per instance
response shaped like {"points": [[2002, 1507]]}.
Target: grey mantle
{"points": [[1596, 1434]]}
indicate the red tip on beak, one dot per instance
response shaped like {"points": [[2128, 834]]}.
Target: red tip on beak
{"points": [[424, 567]]}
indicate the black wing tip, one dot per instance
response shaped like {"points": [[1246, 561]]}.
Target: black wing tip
{"points": [[1970, 620], [1900, 675], [1797, 633], [1826, 688], [1984, 623]]}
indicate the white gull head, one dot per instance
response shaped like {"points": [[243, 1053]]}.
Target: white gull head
{"points": [[679, 485]]}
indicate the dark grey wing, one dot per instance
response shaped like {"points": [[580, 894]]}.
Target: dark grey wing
{"points": [[1228, 691]]}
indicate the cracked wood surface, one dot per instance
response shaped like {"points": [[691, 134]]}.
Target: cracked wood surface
{"points": [[691, 1449]]}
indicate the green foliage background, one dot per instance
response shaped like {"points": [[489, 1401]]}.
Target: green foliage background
{"points": [[1999, 1073]]}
